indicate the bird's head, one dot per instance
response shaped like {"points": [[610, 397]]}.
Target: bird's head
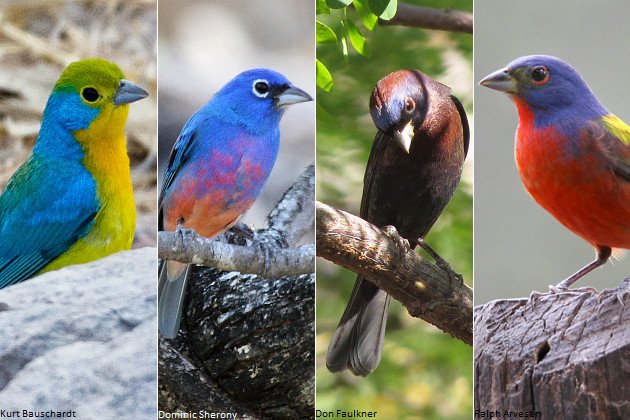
{"points": [[258, 97], [91, 88], [547, 85], [398, 105]]}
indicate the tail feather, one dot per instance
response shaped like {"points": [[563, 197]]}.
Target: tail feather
{"points": [[358, 341], [171, 296]]}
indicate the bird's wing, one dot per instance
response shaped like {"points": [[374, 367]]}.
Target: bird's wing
{"points": [[464, 118], [178, 158], [41, 216], [617, 142], [358, 340], [376, 153]]}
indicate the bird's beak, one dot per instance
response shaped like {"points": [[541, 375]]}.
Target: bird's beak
{"points": [[500, 80], [290, 96], [404, 135], [128, 92]]}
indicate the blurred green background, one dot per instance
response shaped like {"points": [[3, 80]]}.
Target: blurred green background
{"points": [[424, 373]]}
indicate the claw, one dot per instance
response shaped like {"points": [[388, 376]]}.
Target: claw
{"points": [[534, 295], [454, 278], [400, 241], [262, 243], [241, 229], [560, 288]]}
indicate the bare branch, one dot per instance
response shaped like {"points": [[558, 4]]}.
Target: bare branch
{"points": [[188, 247], [294, 214], [430, 18], [423, 288]]}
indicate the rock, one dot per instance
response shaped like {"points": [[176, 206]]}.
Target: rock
{"points": [[83, 338]]}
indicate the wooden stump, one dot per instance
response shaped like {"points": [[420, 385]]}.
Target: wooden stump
{"points": [[557, 356]]}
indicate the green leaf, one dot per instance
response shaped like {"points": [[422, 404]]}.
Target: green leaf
{"points": [[369, 19], [321, 8], [384, 9], [323, 77], [324, 34], [344, 49], [357, 40], [338, 4]]}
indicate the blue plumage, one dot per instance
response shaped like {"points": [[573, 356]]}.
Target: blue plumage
{"points": [[36, 229], [562, 99], [217, 168], [72, 201]]}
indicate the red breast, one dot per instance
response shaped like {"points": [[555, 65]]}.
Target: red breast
{"points": [[575, 186]]}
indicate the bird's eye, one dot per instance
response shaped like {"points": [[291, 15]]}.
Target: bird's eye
{"points": [[410, 105], [90, 94], [260, 88], [540, 75]]}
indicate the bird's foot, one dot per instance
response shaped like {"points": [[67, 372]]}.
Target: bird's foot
{"points": [[456, 279], [262, 243], [620, 292], [184, 233], [239, 234], [535, 295], [401, 242], [561, 288]]}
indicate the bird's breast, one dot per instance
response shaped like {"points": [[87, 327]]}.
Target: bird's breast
{"points": [[569, 179], [107, 161], [211, 193], [410, 190]]}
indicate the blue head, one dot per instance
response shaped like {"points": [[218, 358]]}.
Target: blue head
{"points": [[86, 90], [551, 88], [256, 99]]}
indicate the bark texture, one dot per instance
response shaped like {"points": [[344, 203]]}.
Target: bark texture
{"points": [[563, 355], [425, 289]]}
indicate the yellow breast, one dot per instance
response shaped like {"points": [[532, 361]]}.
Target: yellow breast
{"points": [[107, 160]]}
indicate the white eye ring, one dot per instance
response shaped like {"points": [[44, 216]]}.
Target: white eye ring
{"points": [[260, 88]]}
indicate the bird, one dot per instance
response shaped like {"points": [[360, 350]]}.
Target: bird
{"points": [[217, 167], [414, 167], [72, 201], [572, 154]]}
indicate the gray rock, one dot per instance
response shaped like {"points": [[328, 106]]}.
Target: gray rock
{"points": [[83, 338]]}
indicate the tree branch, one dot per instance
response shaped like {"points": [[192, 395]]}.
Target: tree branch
{"points": [[423, 288], [247, 346], [187, 246], [191, 386], [430, 18], [289, 221], [293, 216], [246, 343]]}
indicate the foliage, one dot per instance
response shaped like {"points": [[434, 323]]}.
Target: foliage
{"points": [[369, 11], [424, 372]]}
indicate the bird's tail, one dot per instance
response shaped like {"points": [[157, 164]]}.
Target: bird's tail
{"points": [[171, 296], [358, 341]]}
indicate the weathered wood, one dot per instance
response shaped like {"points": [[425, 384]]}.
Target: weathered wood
{"points": [[248, 346], [564, 356], [423, 288]]}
